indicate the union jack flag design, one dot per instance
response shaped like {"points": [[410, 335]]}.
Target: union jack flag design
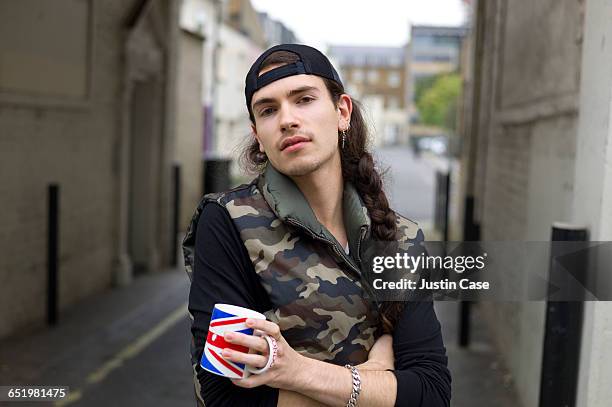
{"points": [[212, 360]]}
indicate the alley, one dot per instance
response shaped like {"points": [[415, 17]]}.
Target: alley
{"points": [[131, 345]]}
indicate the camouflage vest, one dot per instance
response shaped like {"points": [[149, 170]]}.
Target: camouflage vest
{"points": [[315, 288]]}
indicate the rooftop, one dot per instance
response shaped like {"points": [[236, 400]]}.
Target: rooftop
{"points": [[367, 55], [432, 30]]}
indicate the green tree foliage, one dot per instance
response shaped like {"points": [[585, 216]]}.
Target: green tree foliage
{"points": [[423, 84], [437, 104]]}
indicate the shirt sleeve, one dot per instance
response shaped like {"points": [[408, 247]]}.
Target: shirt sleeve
{"points": [[223, 273], [423, 379]]}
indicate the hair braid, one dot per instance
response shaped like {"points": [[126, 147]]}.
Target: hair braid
{"points": [[370, 187]]}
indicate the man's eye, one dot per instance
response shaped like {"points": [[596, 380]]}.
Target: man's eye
{"points": [[305, 99], [267, 111]]}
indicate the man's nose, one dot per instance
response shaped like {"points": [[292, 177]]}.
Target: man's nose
{"points": [[288, 119]]}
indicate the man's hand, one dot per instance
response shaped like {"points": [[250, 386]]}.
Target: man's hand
{"points": [[287, 368], [381, 355]]}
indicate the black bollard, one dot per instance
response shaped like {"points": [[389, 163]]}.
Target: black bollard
{"points": [[563, 328], [471, 233], [176, 177], [442, 200], [464, 323], [52, 253], [216, 175]]}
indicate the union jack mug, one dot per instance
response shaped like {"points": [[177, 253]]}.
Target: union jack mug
{"points": [[227, 318]]}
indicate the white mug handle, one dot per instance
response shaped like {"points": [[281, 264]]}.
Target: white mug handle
{"points": [[271, 346]]}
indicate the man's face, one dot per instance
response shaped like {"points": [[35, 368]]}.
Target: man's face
{"points": [[296, 124]]}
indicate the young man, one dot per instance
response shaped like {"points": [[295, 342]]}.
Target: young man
{"points": [[290, 245]]}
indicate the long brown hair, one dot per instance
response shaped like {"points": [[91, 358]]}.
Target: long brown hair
{"points": [[357, 167]]}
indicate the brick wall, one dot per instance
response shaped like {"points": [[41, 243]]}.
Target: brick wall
{"points": [[525, 145], [78, 148]]}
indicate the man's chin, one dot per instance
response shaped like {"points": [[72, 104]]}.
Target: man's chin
{"points": [[298, 169]]}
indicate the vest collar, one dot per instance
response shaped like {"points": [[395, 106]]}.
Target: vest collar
{"points": [[288, 203]]}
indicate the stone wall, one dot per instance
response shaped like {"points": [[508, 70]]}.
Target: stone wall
{"points": [[526, 146], [77, 144]]}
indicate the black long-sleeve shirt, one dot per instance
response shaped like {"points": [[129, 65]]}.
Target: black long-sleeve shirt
{"points": [[223, 273]]}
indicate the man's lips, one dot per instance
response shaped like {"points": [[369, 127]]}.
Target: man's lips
{"points": [[290, 141]]}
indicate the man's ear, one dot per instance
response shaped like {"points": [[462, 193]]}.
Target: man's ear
{"points": [[345, 108], [254, 131]]}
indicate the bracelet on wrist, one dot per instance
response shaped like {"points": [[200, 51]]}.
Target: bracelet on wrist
{"points": [[352, 402]]}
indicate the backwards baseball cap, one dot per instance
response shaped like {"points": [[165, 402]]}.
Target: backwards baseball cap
{"points": [[311, 62]]}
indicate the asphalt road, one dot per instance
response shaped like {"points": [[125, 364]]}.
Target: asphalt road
{"points": [[409, 182]]}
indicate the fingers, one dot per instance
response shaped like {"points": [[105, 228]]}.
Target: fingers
{"points": [[385, 339], [268, 327], [385, 342], [250, 382], [381, 352], [253, 342], [370, 365], [251, 359]]}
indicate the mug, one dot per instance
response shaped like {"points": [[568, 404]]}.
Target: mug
{"points": [[225, 318]]}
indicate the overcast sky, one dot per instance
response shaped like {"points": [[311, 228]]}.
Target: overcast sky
{"points": [[360, 22]]}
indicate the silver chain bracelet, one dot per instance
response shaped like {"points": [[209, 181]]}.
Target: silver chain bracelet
{"points": [[356, 386]]}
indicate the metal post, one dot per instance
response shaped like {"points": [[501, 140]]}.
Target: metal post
{"points": [[447, 181], [216, 175], [464, 323], [561, 356], [471, 233], [52, 252], [441, 211], [176, 176], [438, 220]]}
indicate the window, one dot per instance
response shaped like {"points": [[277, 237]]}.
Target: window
{"points": [[395, 61], [373, 75], [392, 102], [453, 41], [393, 79]]}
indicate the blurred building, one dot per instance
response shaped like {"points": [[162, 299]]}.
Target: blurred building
{"points": [[275, 31], [537, 140], [377, 75], [87, 102], [432, 50], [200, 22], [231, 38], [189, 121], [243, 18], [241, 41]]}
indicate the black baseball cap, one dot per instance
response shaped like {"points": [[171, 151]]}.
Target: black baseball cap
{"points": [[311, 62]]}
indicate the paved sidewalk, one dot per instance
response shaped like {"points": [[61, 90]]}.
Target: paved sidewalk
{"points": [[479, 377], [128, 346]]}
